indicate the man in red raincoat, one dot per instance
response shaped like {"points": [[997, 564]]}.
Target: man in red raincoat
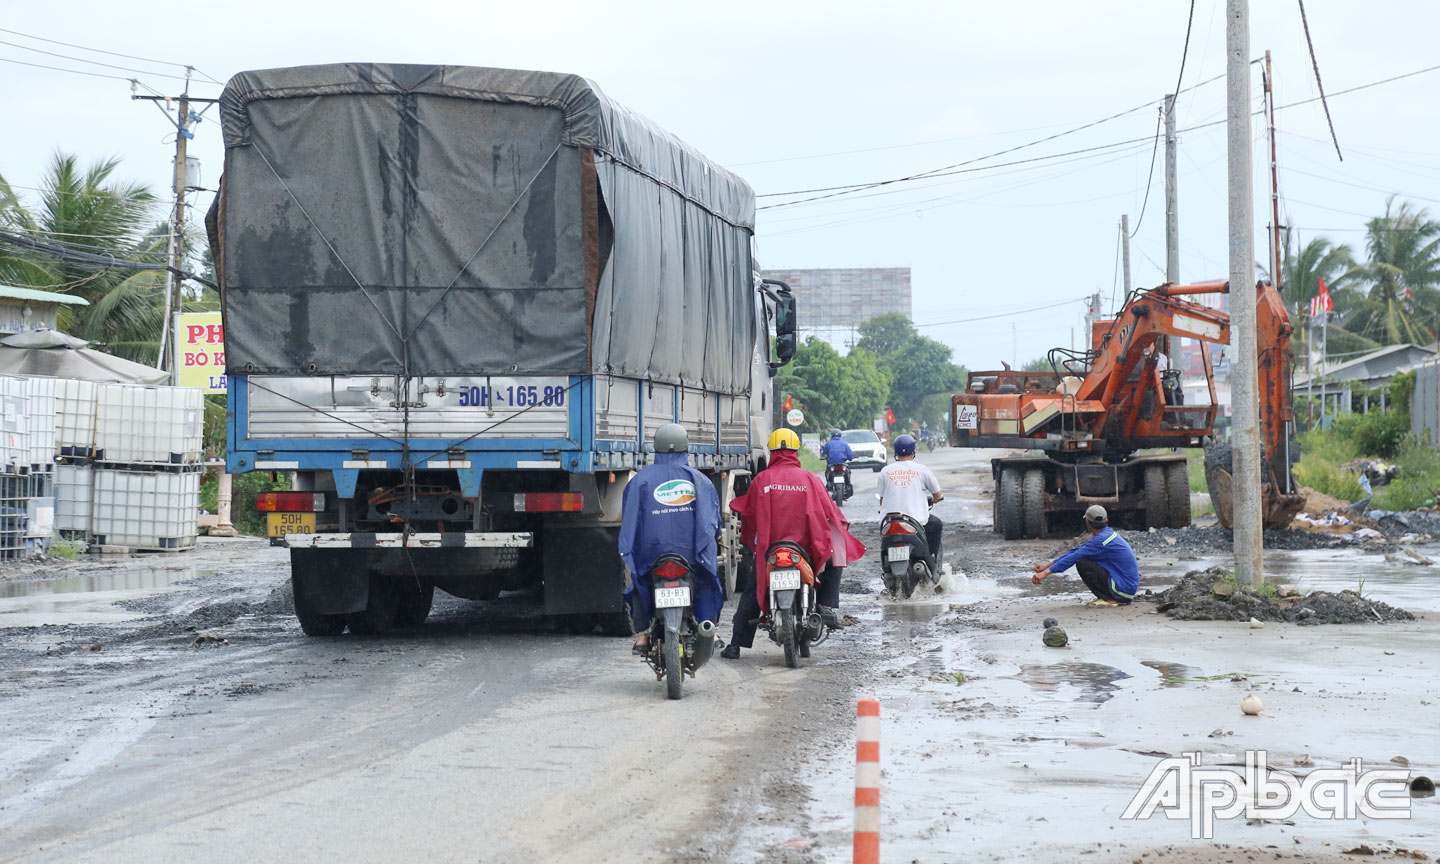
{"points": [[786, 502]]}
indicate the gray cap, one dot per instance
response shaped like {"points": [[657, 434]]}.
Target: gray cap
{"points": [[1096, 513], [671, 438]]}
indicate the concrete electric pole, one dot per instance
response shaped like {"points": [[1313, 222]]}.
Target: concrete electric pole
{"points": [[1125, 252], [183, 120], [1172, 217], [1245, 434]]}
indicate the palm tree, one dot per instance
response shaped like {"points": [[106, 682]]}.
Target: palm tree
{"points": [[1404, 273], [1321, 259], [89, 211]]}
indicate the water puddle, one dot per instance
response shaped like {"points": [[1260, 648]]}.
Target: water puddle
{"points": [[83, 598], [1172, 674], [1094, 683]]}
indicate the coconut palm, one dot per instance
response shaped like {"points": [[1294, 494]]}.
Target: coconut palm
{"points": [[89, 211], [1403, 271]]}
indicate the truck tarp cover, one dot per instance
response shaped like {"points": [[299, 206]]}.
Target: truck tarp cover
{"points": [[385, 219]]}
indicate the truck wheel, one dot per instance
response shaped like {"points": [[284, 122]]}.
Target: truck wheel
{"points": [[1032, 499], [1157, 499], [1008, 503], [414, 606], [1177, 485], [321, 625], [380, 608]]}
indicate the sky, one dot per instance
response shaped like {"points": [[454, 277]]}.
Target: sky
{"points": [[804, 95]]}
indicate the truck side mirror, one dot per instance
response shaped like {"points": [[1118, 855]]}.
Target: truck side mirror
{"points": [[787, 340]]}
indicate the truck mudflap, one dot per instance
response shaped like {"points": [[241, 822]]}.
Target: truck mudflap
{"points": [[418, 540]]}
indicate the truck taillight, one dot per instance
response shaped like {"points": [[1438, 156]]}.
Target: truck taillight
{"points": [[290, 502], [549, 502]]}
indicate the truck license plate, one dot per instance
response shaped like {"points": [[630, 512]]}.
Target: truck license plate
{"points": [[784, 580], [897, 553], [280, 524], [669, 598]]}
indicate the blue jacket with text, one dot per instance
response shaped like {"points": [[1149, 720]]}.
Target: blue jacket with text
{"points": [[671, 507]]}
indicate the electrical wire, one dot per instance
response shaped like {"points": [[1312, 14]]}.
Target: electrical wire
{"points": [[1004, 314], [71, 71], [1315, 64], [1150, 178], [930, 175], [109, 53], [93, 62]]}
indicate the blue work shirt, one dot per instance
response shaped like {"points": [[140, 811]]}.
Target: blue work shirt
{"points": [[671, 507], [1109, 550], [836, 451]]}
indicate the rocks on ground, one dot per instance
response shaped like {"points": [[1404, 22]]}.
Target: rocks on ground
{"points": [[1212, 595]]}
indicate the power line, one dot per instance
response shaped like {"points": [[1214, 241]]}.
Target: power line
{"points": [[110, 53], [1315, 64], [93, 258], [1185, 52], [1150, 178], [71, 71], [92, 62], [1004, 314], [939, 172], [946, 168]]}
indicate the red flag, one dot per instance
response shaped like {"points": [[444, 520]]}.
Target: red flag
{"points": [[789, 403], [1326, 304], [889, 417]]}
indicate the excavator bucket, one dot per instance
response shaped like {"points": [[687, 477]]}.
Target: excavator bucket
{"points": [[1277, 508]]}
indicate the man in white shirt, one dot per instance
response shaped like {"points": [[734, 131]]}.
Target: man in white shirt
{"points": [[906, 486]]}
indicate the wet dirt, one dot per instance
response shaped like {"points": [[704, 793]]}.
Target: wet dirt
{"points": [[1210, 595]]}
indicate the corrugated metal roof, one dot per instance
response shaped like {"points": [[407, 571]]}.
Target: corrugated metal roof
{"points": [[42, 296]]}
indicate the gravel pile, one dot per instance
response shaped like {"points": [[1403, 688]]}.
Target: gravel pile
{"points": [[1207, 595]]}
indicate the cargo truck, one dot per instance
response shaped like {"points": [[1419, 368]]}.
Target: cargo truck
{"points": [[458, 302]]}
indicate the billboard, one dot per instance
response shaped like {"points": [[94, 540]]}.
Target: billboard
{"points": [[200, 351]]}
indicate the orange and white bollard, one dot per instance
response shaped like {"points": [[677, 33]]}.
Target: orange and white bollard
{"points": [[867, 782]]}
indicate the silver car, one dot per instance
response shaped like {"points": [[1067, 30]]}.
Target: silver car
{"points": [[869, 452]]}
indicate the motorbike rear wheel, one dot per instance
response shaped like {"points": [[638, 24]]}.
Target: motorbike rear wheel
{"points": [[674, 668], [788, 639]]}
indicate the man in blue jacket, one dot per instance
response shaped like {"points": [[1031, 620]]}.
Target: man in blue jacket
{"points": [[1105, 561], [670, 507], [837, 458]]}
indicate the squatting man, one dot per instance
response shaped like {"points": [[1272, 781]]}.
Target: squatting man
{"points": [[1105, 561]]}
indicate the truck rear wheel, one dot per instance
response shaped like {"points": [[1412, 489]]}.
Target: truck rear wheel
{"points": [[380, 610], [321, 625], [1177, 487], [414, 606], [1032, 495], [1157, 498], [1009, 504]]}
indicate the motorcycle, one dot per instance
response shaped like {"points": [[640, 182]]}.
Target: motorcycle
{"points": [[837, 482], [795, 623], [679, 644], [905, 555]]}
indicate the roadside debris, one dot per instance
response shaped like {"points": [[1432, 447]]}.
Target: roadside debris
{"points": [[209, 637], [1251, 704], [1213, 595], [1055, 637]]}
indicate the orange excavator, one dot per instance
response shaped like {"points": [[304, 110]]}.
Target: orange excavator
{"points": [[1086, 422]]}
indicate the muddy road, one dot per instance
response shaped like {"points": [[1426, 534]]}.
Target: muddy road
{"points": [[169, 708]]}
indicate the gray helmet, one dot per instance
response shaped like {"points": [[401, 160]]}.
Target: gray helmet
{"points": [[671, 438], [1096, 515]]}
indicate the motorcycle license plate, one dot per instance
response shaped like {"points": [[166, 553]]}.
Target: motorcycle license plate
{"points": [[784, 580], [669, 598], [897, 553]]}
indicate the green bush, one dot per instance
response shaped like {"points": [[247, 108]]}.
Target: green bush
{"points": [[1195, 466], [1379, 433], [243, 489]]}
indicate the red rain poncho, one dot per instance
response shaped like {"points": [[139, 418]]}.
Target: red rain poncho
{"points": [[786, 502]]}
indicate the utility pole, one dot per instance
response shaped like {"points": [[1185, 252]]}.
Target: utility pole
{"points": [[1172, 219], [1125, 251], [1244, 386], [182, 121]]}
